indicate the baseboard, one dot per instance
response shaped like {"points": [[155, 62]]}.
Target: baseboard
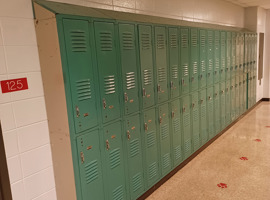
{"points": [[265, 99]]}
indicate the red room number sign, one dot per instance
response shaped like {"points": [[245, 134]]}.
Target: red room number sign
{"points": [[14, 85]]}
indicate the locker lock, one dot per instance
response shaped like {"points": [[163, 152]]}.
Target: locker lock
{"points": [[107, 145], [160, 120], [104, 103], [82, 157], [126, 97], [77, 111], [128, 135], [144, 92], [145, 126], [173, 114]]}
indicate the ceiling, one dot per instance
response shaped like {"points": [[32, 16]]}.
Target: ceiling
{"points": [[248, 3]]}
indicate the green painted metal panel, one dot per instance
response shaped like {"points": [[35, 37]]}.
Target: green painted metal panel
{"points": [[113, 149], [134, 152], [210, 57], [194, 58], [152, 169], [237, 97], [174, 62], [222, 105], [217, 108], [91, 175], [228, 55], [146, 59], [161, 63], [203, 59], [80, 68], [241, 52], [195, 116], [184, 60], [165, 139], [187, 139], [233, 116], [128, 52], [203, 117], [244, 83], [228, 102], [176, 132], [108, 70], [222, 55], [217, 57], [241, 100], [210, 112], [233, 54], [237, 53]]}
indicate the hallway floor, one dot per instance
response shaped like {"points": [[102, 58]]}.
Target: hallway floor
{"points": [[235, 166]]}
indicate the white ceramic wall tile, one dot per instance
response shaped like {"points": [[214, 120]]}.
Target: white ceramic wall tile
{"points": [[21, 59], [3, 69], [51, 195], [15, 8], [125, 3], [14, 169], [33, 136], [29, 111], [39, 183], [18, 31], [17, 190], [11, 143], [6, 97], [7, 117]]}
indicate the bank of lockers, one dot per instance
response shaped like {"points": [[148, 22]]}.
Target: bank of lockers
{"points": [[143, 97]]}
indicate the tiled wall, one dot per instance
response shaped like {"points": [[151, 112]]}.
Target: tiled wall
{"points": [[23, 114]]}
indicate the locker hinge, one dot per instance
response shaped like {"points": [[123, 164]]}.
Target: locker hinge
{"points": [[126, 97], [173, 114], [77, 111], [82, 157], [107, 145], [160, 120], [104, 103], [144, 92], [128, 135], [145, 126]]}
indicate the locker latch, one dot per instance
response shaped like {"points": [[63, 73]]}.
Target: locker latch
{"points": [[159, 88], [193, 105], [201, 101], [82, 157], [201, 76], [172, 114], [145, 126], [184, 109], [183, 81], [209, 98], [215, 94], [77, 111], [144, 92], [126, 97], [171, 84], [107, 145], [128, 134], [160, 120], [104, 103]]}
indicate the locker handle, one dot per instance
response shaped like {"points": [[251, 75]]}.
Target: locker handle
{"points": [[215, 72], [77, 111], [160, 120], [171, 84], [107, 145], [208, 73], [209, 98], [184, 109], [82, 157], [227, 68], [221, 70], [159, 88], [222, 91], [173, 114], [145, 126], [104, 103], [183, 81], [126, 97], [144, 92], [193, 105], [128, 135], [192, 79], [216, 94], [201, 101], [201, 76]]}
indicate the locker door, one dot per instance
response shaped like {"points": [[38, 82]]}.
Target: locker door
{"points": [[246, 53], [203, 54], [184, 59], [250, 88], [194, 58], [233, 54], [134, 151], [174, 62], [108, 70], [203, 117], [165, 139], [151, 148], [228, 55], [176, 132], [240, 85], [236, 96], [81, 77], [217, 57], [146, 59], [244, 92], [195, 120], [210, 112], [222, 105], [237, 53], [161, 63], [90, 166], [186, 126], [114, 161], [228, 102], [222, 55], [129, 67], [217, 108], [210, 57], [233, 99], [254, 89], [241, 55]]}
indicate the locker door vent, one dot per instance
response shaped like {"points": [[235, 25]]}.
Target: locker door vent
{"points": [[134, 147], [195, 67], [217, 63], [115, 158], [203, 111], [210, 65], [184, 41], [109, 84], [137, 182], [173, 41], [166, 160], [203, 66], [176, 126], [118, 193], [83, 89], [177, 152], [91, 171], [186, 120], [195, 115], [130, 80], [128, 42], [175, 72], [196, 140], [146, 43], [164, 131], [78, 41], [162, 75], [194, 40], [187, 146], [152, 170], [185, 70], [106, 41], [223, 62], [202, 40], [147, 77], [151, 139], [160, 41], [210, 40]]}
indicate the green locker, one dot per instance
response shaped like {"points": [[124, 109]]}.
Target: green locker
{"points": [[161, 63], [222, 55], [174, 62], [186, 126], [228, 102], [184, 59], [176, 132], [146, 62], [217, 57], [151, 147], [114, 161], [91, 175], [237, 53], [228, 55], [203, 117], [195, 116], [254, 89], [244, 83], [240, 85], [129, 67], [222, 105], [203, 56], [210, 57], [249, 84], [246, 53], [194, 58], [81, 77], [165, 139], [108, 70], [237, 98], [241, 62], [233, 54], [217, 108], [134, 153], [210, 112], [233, 99]]}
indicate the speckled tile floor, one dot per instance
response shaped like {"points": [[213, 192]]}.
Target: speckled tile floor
{"points": [[246, 179]]}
